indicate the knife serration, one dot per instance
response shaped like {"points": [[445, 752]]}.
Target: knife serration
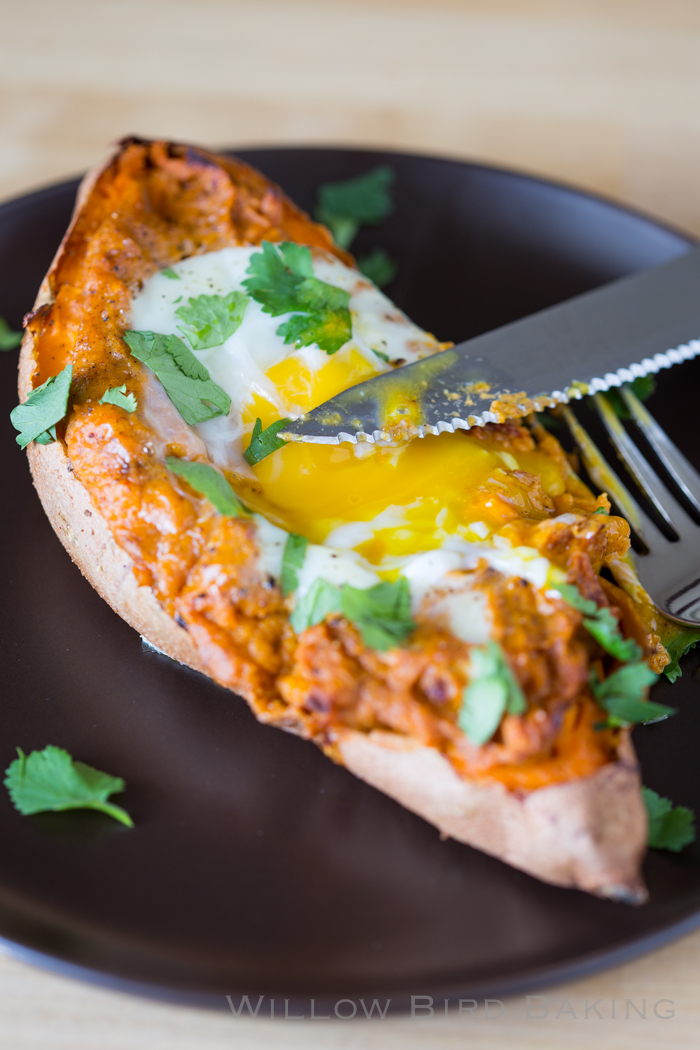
{"points": [[590, 343]]}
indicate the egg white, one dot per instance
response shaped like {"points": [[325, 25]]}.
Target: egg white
{"points": [[240, 367]]}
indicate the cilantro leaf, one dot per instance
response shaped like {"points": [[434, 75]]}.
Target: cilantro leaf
{"points": [[621, 694], [483, 707], [292, 559], [362, 201], [625, 710], [343, 228], [187, 382], [297, 258], [170, 346], [382, 613], [52, 780], [264, 442], [670, 827], [321, 599], [643, 387], [47, 437], [601, 624], [36, 418], [573, 597], [684, 641], [605, 628], [378, 266], [9, 340], [492, 691], [211, 319], [282, 281], [328, 328], [276, 272], [117, 395], [206, 480], [168, 271]]}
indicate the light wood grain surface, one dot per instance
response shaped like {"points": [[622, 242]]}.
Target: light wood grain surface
{"points": [[604, 94]]}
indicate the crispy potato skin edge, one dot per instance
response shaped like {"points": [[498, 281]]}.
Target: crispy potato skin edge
{"points": [[588, 833]]}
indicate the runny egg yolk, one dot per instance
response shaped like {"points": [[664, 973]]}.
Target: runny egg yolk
{"points": [[301, 386], [425, 489], [381, 502]]}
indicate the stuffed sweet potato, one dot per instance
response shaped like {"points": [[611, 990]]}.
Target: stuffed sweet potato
{"points": [[431, 614]]}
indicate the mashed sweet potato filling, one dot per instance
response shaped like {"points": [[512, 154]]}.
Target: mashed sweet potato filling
{"points": [[155, 205]]}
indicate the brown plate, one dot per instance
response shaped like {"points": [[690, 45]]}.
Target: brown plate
{"points": [[256, 865]]}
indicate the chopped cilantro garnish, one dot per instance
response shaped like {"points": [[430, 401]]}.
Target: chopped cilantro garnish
{"points": [[282, 281], [209, 482], [187, 382], [684, 641], [9, 340], [169, 272], [292, 561], [606, 631], [329, 328], [601, 624], [264, 442], [118, 396], [211, 319], [52, 780], [622, 694], [321, 599], [384, 357], [36, 418], [47, 437], [670, 827], [276, 274], [378, 266], [382, 614], [573, 597], [362, 201], [492, 691], [643, 387]]}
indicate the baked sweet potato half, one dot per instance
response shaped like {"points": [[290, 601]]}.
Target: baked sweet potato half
{"points": [[431, 614]]}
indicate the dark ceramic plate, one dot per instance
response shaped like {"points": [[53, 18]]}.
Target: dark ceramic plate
{"points": [[256, 865]]}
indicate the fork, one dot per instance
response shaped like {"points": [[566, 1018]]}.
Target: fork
{"points": [[668, 569]]}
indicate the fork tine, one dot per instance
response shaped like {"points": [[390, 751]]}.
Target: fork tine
{"points": [[682, 472], [645, 476], [602, 474]]}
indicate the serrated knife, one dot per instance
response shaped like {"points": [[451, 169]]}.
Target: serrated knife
{"points": [[624, 330]]}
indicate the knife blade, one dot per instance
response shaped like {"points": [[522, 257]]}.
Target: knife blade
{"points": [[626, 329]]}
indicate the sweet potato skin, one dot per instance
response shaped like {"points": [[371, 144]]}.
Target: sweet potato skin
{"points": [[588, 832], [593, 847]]}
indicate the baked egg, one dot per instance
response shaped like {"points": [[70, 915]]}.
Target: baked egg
{"points": [[421, 509]]}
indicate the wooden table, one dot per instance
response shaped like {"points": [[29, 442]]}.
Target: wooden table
{"points": [[601, 93], [39, 1011]]}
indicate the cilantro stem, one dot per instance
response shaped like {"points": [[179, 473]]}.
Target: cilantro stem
{"points": [[113, 811]]}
